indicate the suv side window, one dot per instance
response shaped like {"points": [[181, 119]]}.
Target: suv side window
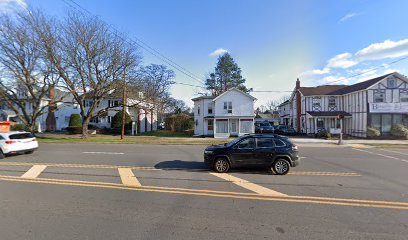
{"points": [[264, 143], [1, 137], [246, 143], [279, 143]]}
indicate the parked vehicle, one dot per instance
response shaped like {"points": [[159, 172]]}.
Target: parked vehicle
{"points": [[264, 127], [17, 142], [285, 130], [263, 150]]}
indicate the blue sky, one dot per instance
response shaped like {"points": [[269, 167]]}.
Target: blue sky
{"points": [[274, 42]]}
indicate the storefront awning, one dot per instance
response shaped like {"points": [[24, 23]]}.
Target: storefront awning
{"points": [[329, 114]]}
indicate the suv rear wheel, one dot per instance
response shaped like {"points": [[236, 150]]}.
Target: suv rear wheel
{"points": [[221, 165], [1, 155], [281, 166]]}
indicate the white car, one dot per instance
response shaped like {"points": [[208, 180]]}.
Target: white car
{"points": [[17, 142]]}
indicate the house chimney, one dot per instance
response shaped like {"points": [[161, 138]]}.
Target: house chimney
{"points": [[297, 84], [298, 105]]}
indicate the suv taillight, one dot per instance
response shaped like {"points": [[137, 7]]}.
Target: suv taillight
{"points": [[10, 142], [294, 148], [34, 140]]}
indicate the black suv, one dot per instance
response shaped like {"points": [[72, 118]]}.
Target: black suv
{"points": [[263, 150], [285, 130]]}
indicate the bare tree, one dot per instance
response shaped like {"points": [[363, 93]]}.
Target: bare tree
{"points": [[89, 57], [26, 78]]}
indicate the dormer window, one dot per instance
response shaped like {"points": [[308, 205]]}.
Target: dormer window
{"points": [[198, 109], [228, 107]]}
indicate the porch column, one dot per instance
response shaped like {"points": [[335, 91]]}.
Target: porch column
{"points": [[239, 126], [228, 124], [315, 125], [215, 127]]}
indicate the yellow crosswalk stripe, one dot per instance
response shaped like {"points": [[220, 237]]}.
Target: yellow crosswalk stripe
{"points": [[128, 178], [34, 171], [248, 185]]}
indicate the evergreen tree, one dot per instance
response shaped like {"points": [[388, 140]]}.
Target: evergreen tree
{"points": [[227, 75]]}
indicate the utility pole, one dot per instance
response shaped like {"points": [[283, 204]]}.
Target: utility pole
{"points": [[124, 103]]}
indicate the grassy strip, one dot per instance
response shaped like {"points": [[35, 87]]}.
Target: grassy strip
{"points": [[62, 138]]}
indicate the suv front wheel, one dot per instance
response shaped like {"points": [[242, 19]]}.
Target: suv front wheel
{"points": [[281, 166], [221, 165]]}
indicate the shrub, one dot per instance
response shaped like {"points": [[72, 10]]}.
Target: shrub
{"points": [[179, 122], [323, 134], [117, 120], [74, 130], [75, 120], [19, 127], [373, 132], [399, 130]]}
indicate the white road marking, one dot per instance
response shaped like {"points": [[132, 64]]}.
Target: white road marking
{"points": [[382, 155], [248, 185], [34, 171], [387, 150], [109, 153], [128, 178]]}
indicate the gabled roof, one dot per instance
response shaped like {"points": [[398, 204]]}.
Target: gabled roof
{"points": [[237, 90], [362, 85], [320, 90]]}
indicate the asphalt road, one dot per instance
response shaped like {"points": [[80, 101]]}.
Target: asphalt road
{"points": [[111, 191]]}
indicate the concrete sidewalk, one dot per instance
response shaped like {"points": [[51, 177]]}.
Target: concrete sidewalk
{"points": [[353, 141]]}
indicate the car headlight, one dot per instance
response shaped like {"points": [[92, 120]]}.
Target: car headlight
{"points": [[208, 152]]}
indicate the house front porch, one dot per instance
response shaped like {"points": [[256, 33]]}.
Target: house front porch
{"points": [[325, 120], [225, 127]]}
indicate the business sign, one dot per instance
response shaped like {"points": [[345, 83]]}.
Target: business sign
{"points": [[389, 107], [335, 130]]}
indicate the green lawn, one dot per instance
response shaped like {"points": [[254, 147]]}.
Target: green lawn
{"points": [[159, 137]]}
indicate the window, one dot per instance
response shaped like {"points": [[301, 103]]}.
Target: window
{"points": [[391, 83], [198, 109], [210, 108], [332, 103], [222, 126], [316, 101], [210, 126], [403, 95], [109, 119], [21, 136], [246, 143], [95, 120], [67, 119], [264, 143], [376, 121], [246, 126], [279, 143], [228, 107], [379, 96]]}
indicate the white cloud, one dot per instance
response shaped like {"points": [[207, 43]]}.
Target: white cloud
{"points": [[344, 60], [218, 52], [7, 6], [336, 80], [347, 17], [386, 49]]}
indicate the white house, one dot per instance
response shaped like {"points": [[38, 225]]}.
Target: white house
{"points": [[380, 103], [229, 114], [143, 115]]}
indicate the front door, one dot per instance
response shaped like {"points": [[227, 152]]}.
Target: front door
{"points": [[234, 127]]}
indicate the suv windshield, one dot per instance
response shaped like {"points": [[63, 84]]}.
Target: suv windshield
{"points": [[265, 124]]}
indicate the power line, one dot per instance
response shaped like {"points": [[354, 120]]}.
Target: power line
{"points": [[370, 70], [138, 42]]}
